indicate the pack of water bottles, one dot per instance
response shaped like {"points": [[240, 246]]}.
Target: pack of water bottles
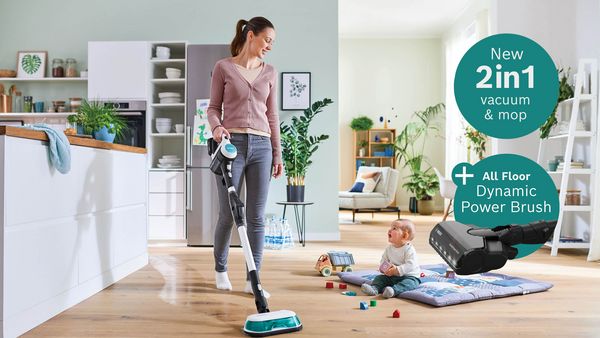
{"points": [[278, 234]]}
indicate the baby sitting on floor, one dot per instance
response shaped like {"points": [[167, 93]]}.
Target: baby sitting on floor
{"points": [[398, 264]]}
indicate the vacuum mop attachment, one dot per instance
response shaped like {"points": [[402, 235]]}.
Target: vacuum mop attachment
{"points": [[468, 249], [264, 323]]}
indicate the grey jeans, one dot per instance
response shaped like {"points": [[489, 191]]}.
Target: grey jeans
{"points": [[253, 165]]}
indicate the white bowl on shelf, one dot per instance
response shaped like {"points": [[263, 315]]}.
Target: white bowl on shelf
{"points": [[163, 120], [169, 166], [163, 52], [169, 161], [168, 100], [164, 95], [163, 129], [173, 73], [170, 157]]}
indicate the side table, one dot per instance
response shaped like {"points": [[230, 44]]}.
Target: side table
{"points": [[300, 221]]}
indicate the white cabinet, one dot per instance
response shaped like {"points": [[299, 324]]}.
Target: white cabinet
{"points": [[166, 186], [118, 69]]}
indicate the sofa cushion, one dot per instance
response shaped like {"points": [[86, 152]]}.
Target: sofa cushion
{"points": [[366, 182]]}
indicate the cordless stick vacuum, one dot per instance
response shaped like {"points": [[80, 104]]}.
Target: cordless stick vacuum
{"points": [[264, 323]]}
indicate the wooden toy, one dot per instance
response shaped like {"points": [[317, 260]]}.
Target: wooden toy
{"points": [[364, 306], [422, 275], [329, 261], [329, 285], [450, 273], [373, 303], [349, 293], [343, 286], [396, 314]]}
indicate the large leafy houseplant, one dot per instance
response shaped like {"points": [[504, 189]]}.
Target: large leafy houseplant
{"points": [[298, 147], [424, 184], [95, 117], [410, 152], [565, 91]]}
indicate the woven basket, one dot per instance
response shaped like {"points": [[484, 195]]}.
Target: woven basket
{"points": [[7, 73]]}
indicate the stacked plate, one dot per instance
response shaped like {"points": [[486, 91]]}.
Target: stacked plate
{"points": [[169, 162], [169, 97]]}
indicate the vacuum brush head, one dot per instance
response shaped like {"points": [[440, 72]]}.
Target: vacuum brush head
{"points": [[272, 323], [468, 249]]}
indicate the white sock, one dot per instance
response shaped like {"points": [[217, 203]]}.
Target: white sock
{"points": [[388, 292], [368, 289], [248, 289], [222, 279]]}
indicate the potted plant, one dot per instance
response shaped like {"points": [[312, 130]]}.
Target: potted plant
{"points": [[410, 147], [565, 91], [297, 148], [424, 184], [476, 141], [362, 151], [99, 120], [361, 123]]}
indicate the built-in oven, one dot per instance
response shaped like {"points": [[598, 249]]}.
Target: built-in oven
{"points": [[134, 113]]}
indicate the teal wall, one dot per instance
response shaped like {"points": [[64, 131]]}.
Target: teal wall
{"points": [[307, 40]]}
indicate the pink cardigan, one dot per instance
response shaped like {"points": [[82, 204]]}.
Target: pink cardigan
{"points": [[245, 105]]}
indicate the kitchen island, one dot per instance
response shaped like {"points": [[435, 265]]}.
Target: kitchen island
{"points": [[68, 236]]}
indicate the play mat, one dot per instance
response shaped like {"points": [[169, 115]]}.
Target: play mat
{"points": [[437, 290]]}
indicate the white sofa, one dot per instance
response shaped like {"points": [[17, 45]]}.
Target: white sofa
{"points": [[377, 201]]}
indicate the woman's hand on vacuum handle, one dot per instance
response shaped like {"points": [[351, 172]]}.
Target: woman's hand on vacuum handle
{"points": [[219, 132]]}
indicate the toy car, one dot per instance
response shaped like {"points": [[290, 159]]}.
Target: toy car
{"points": [[333, 259]]}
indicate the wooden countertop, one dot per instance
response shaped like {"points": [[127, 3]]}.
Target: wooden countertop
{"points": [[78, 141]]}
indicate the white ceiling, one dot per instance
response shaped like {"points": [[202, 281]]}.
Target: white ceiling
{"points": [[397, 18]]}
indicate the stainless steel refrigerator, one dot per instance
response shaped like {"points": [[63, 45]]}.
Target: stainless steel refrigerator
{"points": [[202, 202]]}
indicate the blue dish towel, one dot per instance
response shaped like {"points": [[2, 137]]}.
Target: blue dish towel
{"points": [[59, 147]]}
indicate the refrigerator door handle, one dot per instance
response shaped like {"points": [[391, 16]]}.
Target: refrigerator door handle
{"points": [[188, 190], [188, 145]]}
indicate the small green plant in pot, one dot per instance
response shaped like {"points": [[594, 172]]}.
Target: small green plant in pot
{"points": [[424, 185], [297, 148], [362, 151], [565, 91], [99, 120]]}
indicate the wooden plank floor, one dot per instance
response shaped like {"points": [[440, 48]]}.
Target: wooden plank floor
{"points": [[174, 296]]}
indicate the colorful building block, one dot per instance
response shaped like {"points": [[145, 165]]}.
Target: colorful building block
{"points": [[329, 285], [343, 286], [396, 314], [422, 274], [450, 273], [364, 306], [373, 303], [349, 293]]}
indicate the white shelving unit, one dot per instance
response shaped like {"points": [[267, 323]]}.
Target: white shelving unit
{"points": [[166, 207], [574, 226]]}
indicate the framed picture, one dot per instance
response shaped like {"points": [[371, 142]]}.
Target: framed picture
{"points": [[295, 90], [31, 64]]}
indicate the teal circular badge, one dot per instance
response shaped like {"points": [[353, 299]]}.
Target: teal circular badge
{"points": [[503, 190], [506, 85]]}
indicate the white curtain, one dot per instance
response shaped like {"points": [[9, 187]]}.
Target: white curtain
{"points": [[456, 45]]}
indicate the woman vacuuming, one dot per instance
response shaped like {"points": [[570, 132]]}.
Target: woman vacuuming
{"points": [[243, 107]]}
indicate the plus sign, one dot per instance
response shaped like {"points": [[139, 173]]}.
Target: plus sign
{"points": [[464, 175]]}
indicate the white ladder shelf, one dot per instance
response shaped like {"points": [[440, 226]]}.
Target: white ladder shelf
{"points": [[587, 69]]}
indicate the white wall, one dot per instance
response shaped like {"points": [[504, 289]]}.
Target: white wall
{"points": [[552, 24], [378, 74]]}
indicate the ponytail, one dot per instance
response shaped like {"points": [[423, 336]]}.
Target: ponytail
{"points": [[256, 25]]}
